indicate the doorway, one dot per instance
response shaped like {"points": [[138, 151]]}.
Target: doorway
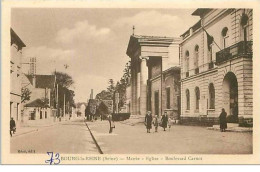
{"points": [[230, 94]]}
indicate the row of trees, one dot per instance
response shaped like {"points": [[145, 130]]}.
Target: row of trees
{"points": [[119, 87]]}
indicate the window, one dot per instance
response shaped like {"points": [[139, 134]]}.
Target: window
{"points": [[211, 96], [11, 67], [40, 114], [45, 114], [32, 116], [187, 99], [196, 59], [225, 36], [168, 98], [245, 28], [156, 102], [210, 53], [187, 55], [197, 96]]}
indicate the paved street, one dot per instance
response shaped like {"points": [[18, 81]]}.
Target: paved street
{"points": [[74, 137], [180, 139], [68, 137]]}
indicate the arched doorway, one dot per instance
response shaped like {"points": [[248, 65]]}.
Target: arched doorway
{"points": [[230, 95]]}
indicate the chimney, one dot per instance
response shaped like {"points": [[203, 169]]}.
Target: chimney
{"points": [[34, 81], [91, 94]]}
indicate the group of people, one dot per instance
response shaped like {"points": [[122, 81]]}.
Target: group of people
{"points": [[164, 122]]}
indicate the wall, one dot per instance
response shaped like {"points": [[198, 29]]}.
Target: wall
{"points": [[15, 85]]}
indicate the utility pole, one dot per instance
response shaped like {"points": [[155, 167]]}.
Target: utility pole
{"points": [[64, 105], [57, 100]]}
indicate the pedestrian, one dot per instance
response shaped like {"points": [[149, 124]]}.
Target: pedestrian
{"points": [[12, 126], [148, 121], [223, 120], [164, 121], [111, 123], [169, 123], [156, 122]]}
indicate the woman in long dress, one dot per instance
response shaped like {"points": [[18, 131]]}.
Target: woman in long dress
{"points": [[223, 120], [164, 120]]}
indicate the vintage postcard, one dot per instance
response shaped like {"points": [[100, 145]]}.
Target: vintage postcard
{"points": [[130, 82]]}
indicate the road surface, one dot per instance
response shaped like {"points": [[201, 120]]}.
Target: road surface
{"points": [[71, 137]]}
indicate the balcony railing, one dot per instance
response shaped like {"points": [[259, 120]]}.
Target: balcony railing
{"points": [[243, 48]]}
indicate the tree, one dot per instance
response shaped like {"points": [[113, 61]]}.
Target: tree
{"points": [[111, 87], [63, 79], [120, 87], [26, 95], [104, 95]]}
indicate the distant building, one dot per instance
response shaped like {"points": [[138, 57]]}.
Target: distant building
{"points": [[154, 79], [217, 74], [15, 75]]}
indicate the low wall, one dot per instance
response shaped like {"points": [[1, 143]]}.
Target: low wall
{"points": [[120, 116]]}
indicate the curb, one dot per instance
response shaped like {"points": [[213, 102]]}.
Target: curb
{"points": [[95, 141]]}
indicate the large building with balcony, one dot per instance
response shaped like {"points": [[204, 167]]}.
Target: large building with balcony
{"points": [[155, 75], [216, 67]]}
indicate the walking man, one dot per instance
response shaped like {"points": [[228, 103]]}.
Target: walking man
{"points": [[111, 123], [12, 126], [148, 121]]}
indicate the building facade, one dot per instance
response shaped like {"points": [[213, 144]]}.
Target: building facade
{"points": [[154, 81], [15, 75], [216, 67]]}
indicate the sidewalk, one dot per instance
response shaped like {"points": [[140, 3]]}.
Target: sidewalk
{"points": [[127, 139], [29, 128]]}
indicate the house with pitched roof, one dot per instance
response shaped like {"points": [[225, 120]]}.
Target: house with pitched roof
{"points": [[42, 103]]}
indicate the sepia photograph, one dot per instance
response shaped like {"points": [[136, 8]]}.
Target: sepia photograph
{"points": [[176, 82]]}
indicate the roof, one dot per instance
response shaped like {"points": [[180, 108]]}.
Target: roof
{"points": [[16, 39], [43, 81], [140, 40], [201, 11], [195, 27], [36, 103], [175, 68]]}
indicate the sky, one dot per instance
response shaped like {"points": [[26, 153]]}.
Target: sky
{"points": [[91, 41]]}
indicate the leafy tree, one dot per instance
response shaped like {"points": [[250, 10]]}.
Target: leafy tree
{"points": [[104, 95], [119, 87], [64, 82], [26, 95], [63, 79]]}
